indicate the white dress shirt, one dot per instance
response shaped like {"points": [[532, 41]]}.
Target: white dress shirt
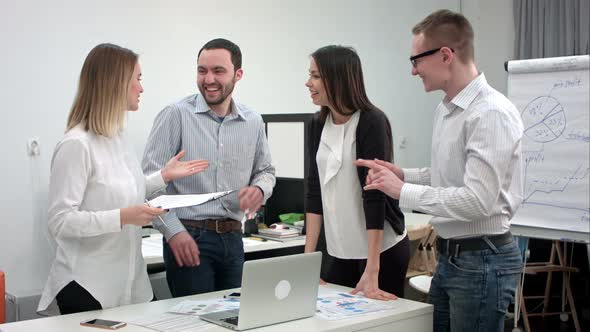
{"points": [[474, 185], [342, 201], [92, 178]]}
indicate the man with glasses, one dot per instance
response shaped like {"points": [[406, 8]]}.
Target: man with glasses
{"points": [[474, 184]]}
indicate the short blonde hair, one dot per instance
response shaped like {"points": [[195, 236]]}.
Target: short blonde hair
{"points": [[101, 100], [450, 29]]}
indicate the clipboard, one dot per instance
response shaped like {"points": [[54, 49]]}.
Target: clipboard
{"points": [[178, 201]]}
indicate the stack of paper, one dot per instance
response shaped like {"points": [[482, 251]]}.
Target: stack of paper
{"points": [[176, 201], [279, 233]]}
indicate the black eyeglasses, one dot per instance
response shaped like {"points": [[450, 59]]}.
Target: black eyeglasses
{"points": [[423, 54]]}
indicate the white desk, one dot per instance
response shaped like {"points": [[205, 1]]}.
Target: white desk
{"points": [[152, 247], [410, 316]]}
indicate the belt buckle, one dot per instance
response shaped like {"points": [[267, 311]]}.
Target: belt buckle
{"points": [[217, 226]]}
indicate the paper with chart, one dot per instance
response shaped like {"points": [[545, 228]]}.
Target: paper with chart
{"points": [[176, 201], [190, 307], [339, 305], [184, 317], [553, 98], [168, 322]]}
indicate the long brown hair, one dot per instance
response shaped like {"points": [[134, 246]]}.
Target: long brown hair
{"points": [[342, 76], [101, 100]]}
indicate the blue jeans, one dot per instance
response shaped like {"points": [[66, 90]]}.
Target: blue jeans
{"points": [[471, 291], [222, 259]]}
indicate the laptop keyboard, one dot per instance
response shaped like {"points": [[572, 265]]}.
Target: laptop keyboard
{"points": [[231, 320]]}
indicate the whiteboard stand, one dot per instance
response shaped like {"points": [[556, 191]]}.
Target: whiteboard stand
{"points": [[551, 95], [553, 265]]}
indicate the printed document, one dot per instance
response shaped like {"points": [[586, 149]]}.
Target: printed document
{"points": [[176, 201]]}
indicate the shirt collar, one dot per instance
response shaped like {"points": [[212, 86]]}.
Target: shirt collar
{"points": [[201, 106], [464, 98]]}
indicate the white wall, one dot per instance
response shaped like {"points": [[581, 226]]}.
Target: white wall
{"points": [[493, 25], [45, 43]]}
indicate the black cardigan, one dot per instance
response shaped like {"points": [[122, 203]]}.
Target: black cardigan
{"points": [[372, 141]]}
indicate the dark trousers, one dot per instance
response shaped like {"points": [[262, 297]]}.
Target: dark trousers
{"points": [[74, 298], [392, 269], [222, 259]]}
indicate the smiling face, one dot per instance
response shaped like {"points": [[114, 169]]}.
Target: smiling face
{"points": [[431, 69], [316, 85], [216, 76], [135, 89]]}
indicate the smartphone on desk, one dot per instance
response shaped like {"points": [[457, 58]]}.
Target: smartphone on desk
{"points": [[103, 324], [233, 295]]}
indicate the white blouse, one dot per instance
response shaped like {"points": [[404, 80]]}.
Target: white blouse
{"points": [[92, 178], [342, 201]]}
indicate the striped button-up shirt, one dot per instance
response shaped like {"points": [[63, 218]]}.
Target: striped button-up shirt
{"points": [[474, 184], [235, 146]]}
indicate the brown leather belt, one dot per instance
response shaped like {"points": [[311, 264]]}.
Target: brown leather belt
{"points": [[218, 225]]}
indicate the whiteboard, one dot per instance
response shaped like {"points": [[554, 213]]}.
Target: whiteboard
{"points": [[286, 143], [552, 95]]}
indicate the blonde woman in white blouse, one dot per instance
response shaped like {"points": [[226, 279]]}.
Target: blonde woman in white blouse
{"points": [[97, 190]]}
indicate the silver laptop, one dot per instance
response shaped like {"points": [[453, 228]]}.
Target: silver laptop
{"points": [[274, 290]]}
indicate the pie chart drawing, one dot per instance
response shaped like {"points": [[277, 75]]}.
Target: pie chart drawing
{"points": [[544, 119]]}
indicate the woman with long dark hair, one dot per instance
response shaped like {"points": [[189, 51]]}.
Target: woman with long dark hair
{"points": [[365, 232]]}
